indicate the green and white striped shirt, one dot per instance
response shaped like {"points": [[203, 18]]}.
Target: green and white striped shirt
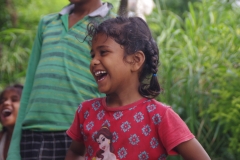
{"points": [[62, 78]]}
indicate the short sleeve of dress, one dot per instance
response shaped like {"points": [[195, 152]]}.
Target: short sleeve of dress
{"points": [[75, 129], [173, 131]]}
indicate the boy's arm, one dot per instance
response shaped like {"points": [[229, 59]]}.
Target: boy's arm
{"points": [[14, 149], [192, 150], [76, 151]]}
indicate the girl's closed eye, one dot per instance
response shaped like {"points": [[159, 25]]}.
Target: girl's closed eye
{"points": [[15, 99], [102, 52]]}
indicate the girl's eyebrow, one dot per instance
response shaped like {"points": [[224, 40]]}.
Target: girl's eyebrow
{"points": [[99, 47], [102, 46], [13, 96]]}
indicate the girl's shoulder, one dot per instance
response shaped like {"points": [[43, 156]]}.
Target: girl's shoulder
{"points": [[91, 103], [152, 103], [154, 107]]}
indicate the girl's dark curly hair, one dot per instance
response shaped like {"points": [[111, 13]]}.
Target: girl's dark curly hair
{"points": [[134, 35]]}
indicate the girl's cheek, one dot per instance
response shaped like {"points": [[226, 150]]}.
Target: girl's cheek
{"points": [[16, 106]]}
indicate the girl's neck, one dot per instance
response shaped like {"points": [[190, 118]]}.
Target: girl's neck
{"points": [[114, 100], [9, 132], [125, 95]]}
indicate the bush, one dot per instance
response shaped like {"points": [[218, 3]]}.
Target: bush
{"points": [[225, 106], [200, 60], [16, 40]]}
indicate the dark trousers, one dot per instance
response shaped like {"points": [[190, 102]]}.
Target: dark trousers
{"points": [[44, 145]]}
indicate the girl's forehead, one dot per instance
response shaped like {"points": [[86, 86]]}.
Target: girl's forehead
{"points": [[100, 36], [102, 40], [11, 91]]}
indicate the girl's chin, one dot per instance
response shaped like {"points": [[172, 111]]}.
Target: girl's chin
{"points": [[101, 90], [7, 124]]}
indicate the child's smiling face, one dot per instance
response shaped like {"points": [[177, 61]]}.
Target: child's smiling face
{"points": [[9, 106], [110, 69]]}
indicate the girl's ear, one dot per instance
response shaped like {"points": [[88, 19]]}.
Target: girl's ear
{"points": [[138, 58]]}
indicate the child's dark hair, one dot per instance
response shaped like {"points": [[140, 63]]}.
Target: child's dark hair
{"points": [[134, 35], [17, 87]]}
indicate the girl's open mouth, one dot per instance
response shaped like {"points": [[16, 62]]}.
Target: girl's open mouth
{"points": [[6, 112], [100, 75]]}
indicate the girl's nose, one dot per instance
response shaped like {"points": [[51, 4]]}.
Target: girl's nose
{"points": [[7, 102], [95, 61]]}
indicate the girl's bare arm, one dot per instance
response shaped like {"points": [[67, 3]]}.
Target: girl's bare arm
{"points": [[76, 151], [192, 150]]}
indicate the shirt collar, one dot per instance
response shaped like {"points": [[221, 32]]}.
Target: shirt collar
{"points": [[101, 11]]}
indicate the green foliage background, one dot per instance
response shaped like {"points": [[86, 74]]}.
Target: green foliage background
{"points": [[200, 68], [16, 41], [200, 62]]}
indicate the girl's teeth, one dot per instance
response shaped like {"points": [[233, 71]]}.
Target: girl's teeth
{"points": [[6, 112], [99, 73], [101, 79]]}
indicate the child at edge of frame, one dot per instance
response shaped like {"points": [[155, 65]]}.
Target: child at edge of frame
{"points": [[128, 123], [9, 106], [57, 80]]}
